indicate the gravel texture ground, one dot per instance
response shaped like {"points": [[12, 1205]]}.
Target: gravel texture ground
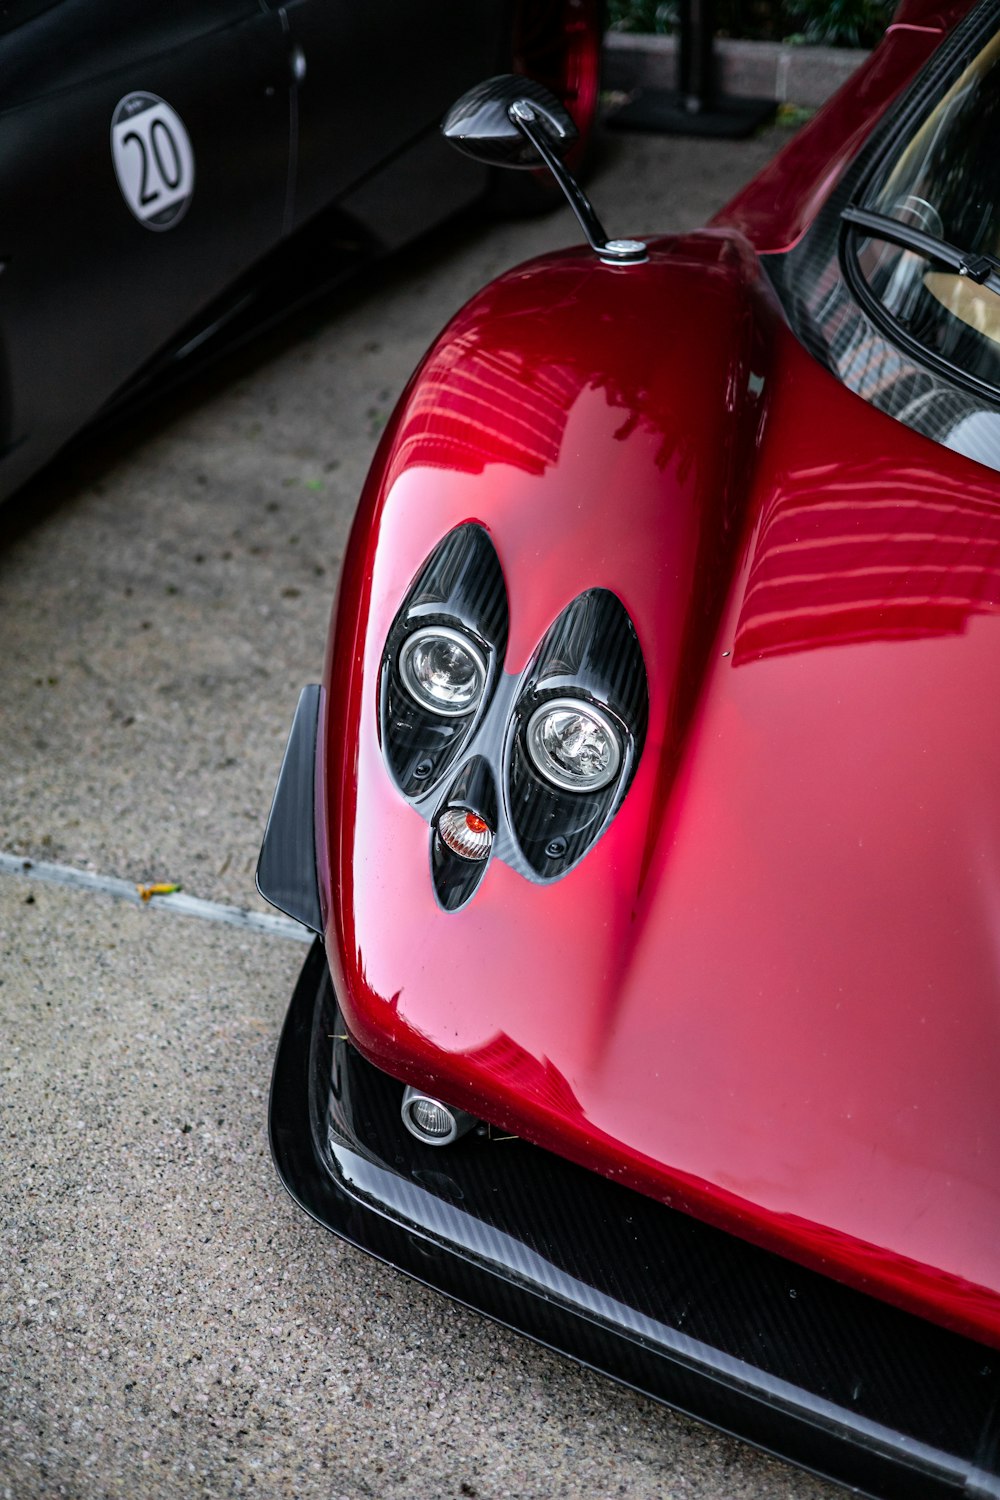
{"points": [[170, 1324]]}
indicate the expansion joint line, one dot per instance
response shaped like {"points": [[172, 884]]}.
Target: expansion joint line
{"points": [[177, 902]]}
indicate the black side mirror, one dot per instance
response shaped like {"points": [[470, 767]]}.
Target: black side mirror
{"points": [[481, 124], [512, 121]]}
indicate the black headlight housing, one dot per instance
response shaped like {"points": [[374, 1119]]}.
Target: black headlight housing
{"points": [[459, 595], [544, 757], [589, 659]]}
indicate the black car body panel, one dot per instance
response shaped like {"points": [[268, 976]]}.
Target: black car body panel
{"points": [[293, 114]]}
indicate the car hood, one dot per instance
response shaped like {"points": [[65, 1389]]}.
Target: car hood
{"points": [[769, 994]]}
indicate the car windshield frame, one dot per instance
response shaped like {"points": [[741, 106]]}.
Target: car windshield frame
{"points": [[913, 244]]}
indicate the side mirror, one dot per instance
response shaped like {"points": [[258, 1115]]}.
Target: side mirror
{"points": [[512, 121], [481, 124]]}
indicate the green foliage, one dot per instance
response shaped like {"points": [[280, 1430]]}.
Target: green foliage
{"points": [[656, 16], [834, 23], [841, 23]]}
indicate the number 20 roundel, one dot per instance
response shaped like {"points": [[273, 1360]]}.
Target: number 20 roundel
{"points": [[154, 162]]}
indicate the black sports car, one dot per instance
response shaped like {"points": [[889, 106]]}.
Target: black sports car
{"points": [[173, 173]]}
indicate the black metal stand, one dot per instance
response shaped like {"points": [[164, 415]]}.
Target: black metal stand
{"points": [[695, 107]]}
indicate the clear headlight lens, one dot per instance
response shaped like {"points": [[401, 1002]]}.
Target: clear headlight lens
{"points": [[442, 670], [432, 1122], [431, 1118], [574, 745]]}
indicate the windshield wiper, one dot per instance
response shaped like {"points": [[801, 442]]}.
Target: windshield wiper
{"points": [[984, 270]]}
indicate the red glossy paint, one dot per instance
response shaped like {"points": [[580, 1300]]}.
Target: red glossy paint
{"points": [[769, 995], [776, 208]]}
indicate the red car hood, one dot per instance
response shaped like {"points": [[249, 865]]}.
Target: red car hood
{"points": [[769, 994]]}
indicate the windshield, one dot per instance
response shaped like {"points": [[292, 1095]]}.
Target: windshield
{"points": [[946, 182]]}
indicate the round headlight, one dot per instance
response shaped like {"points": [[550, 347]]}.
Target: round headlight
{"points": [[574, 745], [442, 670]]}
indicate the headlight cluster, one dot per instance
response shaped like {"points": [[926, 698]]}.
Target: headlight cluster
{"points": [[576, 732], [530, 766], [442, 660]]}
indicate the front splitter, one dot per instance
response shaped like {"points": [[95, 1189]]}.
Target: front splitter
{"points": [[799, 1365]]}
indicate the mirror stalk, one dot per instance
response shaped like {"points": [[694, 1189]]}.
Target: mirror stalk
{"points": [[615, 252], [511, 121]]}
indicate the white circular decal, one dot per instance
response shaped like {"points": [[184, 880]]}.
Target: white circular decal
{"points": [[154, 162]]}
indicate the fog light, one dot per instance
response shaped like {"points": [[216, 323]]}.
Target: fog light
{"points": [[434, 1123]]}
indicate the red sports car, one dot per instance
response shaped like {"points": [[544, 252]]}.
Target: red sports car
{"points": [[649, 810]]}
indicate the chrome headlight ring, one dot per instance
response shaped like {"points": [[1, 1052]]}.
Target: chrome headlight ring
{"points": [[574, 744], [442, 670]]}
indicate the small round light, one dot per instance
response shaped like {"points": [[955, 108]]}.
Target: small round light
{"points": [[465, 833], [442, 670], [431, 1118], [574, 745], [434, 1123]]}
